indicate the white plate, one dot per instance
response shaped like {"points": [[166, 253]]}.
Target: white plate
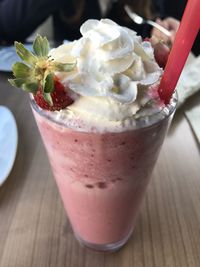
{"points": [[8, 142], [8, 56]]}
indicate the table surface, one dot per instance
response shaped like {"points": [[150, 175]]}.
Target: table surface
{"points": [[34, 229]]}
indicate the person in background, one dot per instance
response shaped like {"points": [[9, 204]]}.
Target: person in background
{"points": [[19, 18], [171, 25]]}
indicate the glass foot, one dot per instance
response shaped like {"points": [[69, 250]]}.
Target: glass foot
{"points": [[111, 247]]}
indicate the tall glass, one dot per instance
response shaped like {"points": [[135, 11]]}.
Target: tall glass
{"points": [[102, 177]]}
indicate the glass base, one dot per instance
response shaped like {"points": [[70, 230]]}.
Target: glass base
{"points": [[111, 247]]}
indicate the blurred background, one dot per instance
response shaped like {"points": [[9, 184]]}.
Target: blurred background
{"points": [[59, 20]]}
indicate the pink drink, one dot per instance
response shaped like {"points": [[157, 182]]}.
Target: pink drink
{"points": [[96, 104], [102, 177]]}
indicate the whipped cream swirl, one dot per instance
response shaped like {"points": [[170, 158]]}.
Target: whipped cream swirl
{"points": [[112, 61]]}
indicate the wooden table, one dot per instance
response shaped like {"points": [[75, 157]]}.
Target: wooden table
{"points": [[35, 232]]}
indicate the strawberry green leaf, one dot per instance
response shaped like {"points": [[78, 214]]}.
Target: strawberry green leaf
{"points": [[48, 84], [41, 46], [25, 54], [64, 67], [31, 87], [18, 82], [48, 98], [21, 70]]}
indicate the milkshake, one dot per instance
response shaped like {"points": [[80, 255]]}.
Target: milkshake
{"points": [[104, 144], [102, 177]]}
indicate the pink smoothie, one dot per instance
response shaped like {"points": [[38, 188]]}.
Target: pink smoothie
{"points": [[102, 177]]}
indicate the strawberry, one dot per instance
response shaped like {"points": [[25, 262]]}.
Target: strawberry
{"points": [[59, 97], [161, 50], [36, 75], [161, 53]]}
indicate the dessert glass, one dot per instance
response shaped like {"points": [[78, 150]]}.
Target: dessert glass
{"points": [[102, 177]]}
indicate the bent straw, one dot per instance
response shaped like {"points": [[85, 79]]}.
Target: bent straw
{"points": [[184, 40]]}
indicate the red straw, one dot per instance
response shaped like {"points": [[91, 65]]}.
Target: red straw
{"points": [[185, 37]]}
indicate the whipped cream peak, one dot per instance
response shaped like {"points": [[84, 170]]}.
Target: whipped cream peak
{"points": [[104, 31], [112, 61]]}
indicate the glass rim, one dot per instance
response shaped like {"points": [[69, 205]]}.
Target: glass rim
{"points": [[164, 113]]}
